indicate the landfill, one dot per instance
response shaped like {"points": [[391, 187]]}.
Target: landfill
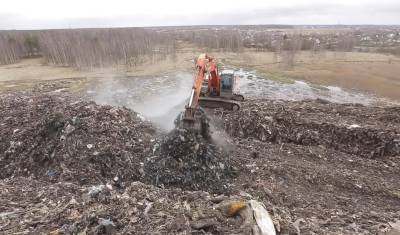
{"points": [[71, 166]]}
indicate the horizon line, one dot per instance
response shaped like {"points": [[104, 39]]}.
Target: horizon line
{"points": [[201, 25]]}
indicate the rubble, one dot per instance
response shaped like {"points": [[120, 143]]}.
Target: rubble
{"points": [[366, 131], [329, 191], [57, 138], [188, 161], [39, 207]]}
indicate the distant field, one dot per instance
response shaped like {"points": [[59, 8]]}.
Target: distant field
{"points": [[30, 71], [367, 72]]}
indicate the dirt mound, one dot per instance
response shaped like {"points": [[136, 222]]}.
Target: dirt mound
{"points": [[354, 129], [188, 161], [57, 138]]}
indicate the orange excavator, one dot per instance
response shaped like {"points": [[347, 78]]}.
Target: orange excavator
{"points": [[211, 89]]}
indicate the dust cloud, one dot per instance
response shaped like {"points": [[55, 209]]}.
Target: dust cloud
{"points": [[159, 99]]}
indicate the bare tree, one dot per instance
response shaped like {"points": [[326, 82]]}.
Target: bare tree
{"points": [[290, 46], [10, 48], [85, 48], [225, 40]]}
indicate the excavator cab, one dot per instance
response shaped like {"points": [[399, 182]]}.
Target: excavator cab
{"points": [[228, 85]]}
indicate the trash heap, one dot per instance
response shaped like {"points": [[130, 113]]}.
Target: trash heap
{"points": [[55, 138], [68, 208], [74, 167], [186, 160], [351, 128]]}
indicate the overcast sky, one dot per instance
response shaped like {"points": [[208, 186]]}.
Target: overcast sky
{"points": [[37, 14]]}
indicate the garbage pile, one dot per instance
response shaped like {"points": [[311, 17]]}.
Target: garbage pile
{"points": [[74, 167], [56, 138], [351, 128], [68, 208], [318, 190], [187, 160]]}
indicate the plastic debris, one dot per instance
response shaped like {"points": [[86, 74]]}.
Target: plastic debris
{"points": [[262, 218], [232, 208]]}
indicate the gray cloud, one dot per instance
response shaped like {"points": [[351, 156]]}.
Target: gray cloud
{"points": [[321, 13]]}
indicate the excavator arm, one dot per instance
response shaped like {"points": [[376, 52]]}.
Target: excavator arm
{"points": [[193, 117]]}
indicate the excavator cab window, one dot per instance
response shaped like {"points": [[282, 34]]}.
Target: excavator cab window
{"points": [[226, 81]]}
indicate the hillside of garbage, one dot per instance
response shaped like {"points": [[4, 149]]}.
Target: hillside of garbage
{"points": [[71, 166]]}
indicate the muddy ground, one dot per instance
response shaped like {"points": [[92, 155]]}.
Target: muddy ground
{"points": [[71, 166]]}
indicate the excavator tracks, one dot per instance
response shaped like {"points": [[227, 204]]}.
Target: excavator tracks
{"points": [[213, 102]]}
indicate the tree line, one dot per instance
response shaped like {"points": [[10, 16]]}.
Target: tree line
{"points": [[14, 46], [132, 46], [226, 40], [86, 47]]}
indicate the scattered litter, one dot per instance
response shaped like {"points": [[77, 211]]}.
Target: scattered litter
{"points": [[105, 226], [354, 126], [232, 208], [95, 190], [265, 226], [69, 129]]}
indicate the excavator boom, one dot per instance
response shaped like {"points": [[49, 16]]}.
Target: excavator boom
{"points": [[193, 117]]}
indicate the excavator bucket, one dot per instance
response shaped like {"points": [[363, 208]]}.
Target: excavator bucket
{"points": [[194, 120]]}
